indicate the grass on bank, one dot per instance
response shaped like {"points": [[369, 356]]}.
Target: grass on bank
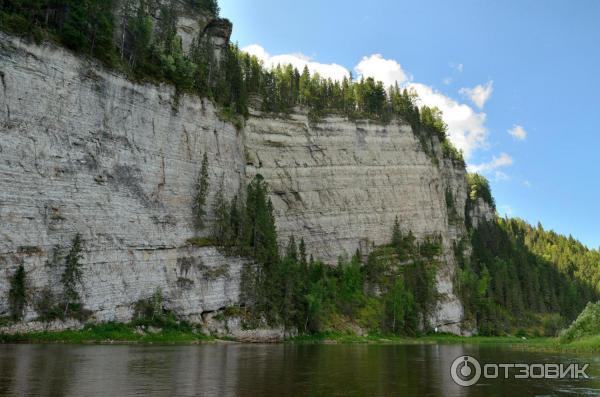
{"points": [[112, 332], [132, 333], [440, 338]]}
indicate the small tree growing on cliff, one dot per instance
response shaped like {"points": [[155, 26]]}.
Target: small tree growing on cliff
{"points": [[72, 275], [17, 296], [222, 217], [201, 194]]}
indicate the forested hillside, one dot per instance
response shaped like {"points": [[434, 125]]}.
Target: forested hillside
{"points": [[523, 277]]}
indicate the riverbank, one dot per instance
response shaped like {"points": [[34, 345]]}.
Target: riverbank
{"points": [[540, 344], [113, 333]]}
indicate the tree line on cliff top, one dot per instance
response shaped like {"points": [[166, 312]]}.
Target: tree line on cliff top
{"points": [[151, 49]]}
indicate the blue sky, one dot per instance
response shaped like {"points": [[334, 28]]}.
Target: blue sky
{"points": [[528, 67]]}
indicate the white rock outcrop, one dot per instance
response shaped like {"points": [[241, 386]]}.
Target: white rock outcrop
{"points": [[84, 150]]}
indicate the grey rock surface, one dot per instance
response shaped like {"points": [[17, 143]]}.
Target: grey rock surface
{"points": [[85, 150]]}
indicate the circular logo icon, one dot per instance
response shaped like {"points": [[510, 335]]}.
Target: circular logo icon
{"points": [[465, 371]]}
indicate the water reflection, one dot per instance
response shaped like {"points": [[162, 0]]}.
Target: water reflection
{"points": [[265, 370]]}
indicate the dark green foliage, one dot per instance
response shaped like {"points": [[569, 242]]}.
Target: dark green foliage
{"points": [[400, 309], [151, 312], [259, 234], [210, 6], [84, 26], [17, 295], [201, 194], [72, 274], [222, 227], [512, 280], [313, 297], [479, 187], [47, 307]]}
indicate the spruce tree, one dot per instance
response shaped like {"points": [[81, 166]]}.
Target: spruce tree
{"points": [[222, 225], [17, 295], [200, 196], [72, 275]]}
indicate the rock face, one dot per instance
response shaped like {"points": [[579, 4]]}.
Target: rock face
{"points": [[86, 151], [83, 150], [340, 185]]}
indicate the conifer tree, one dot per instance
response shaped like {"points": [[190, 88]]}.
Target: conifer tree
{"points": [[200, 196], [17, 295], [72, 275], [221, 210]]}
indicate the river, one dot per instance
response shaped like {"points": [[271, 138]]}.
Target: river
{"points": [[273, 370]]}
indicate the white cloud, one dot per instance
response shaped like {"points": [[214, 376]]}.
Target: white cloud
{"points": [[518, 132], [388, 71], [527, 183], [327, 70], [466, 128], [447, 80], [479, 94], [504, 160]]}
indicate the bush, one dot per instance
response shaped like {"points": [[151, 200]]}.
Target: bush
{"points": [[587, 324], [479, 187], [47, 307]]}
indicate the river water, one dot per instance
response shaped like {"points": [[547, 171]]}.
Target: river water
{"points": [[272, 370]]}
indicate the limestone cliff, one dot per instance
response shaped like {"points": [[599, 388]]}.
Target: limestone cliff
{"points": [[85, 150]]}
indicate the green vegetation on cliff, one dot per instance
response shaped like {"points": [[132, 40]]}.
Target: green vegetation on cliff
{"points": [[393, 291], [479, 187]]}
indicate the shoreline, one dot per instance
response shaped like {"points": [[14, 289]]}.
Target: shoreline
{"points": [[127, 334]]}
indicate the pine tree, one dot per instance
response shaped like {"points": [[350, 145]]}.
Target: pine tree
{"points": [[396, 234], [222, 225], [302, 252], [72, 275], [201, 194], [292, 249]]}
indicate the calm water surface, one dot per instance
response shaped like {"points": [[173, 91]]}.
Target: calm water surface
{"points": [[270, 370]]}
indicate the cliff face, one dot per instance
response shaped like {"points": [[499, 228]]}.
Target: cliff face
{"points": [[85, 150], [340, 185]]}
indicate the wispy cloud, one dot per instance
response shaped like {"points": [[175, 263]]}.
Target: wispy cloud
{"points": [[479, 94], [504, 160], [518, 132], [527, 183]]}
